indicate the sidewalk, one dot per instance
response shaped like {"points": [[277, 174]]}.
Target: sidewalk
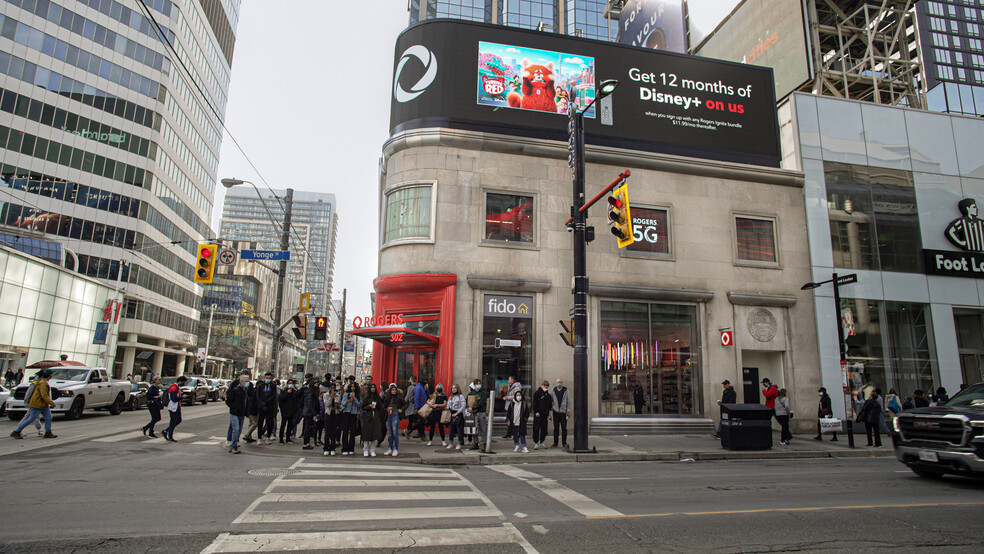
{"points": [[619, 448]]}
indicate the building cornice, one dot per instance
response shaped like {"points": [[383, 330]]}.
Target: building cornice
{"points": [[512, 284], [761, 299], [641, 292]]}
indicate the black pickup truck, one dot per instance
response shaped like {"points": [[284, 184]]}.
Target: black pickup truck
{"points": [[943, 439]]}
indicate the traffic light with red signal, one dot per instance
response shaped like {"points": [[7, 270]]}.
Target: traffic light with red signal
{"points": [[619, 216], [205, 268], [321, 328]]}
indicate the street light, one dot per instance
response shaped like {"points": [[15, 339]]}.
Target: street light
{"points": [[282, 274], [576, 142], [837, 281]]}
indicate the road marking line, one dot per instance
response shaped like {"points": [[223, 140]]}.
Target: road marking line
{"points": [[405, 468], [604, 478], [367, 514], [349, 473], [521, 539], [389, 539], [403, 483], [137, 434], [212, 443], [570, 498], [365, 496], [806, 509]]}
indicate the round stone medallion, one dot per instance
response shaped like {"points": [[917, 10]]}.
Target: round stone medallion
{"points": [[762, 325]]}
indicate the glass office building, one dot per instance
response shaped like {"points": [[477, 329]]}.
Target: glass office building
{"points": [[584, 18], [953, 54], [110, 130]]}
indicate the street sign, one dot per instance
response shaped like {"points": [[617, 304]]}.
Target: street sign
{"points": [[501, 343], [847, 279], [201, 355], [727, 338], [305, 303], [265, 255], [227, 257]]}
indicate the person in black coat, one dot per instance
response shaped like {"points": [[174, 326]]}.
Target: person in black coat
{"points": [[251, 413], [869, 415], [639, 398], [729, 396], [823, 410], [154, 405], [236, 401], [290, 401], [310, 406], [266, 408], [542, 405]]}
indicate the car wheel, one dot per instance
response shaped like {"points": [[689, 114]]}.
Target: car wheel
{"points": [[927, 474], [117, 407], [15, 416], [75, 411], [205, 400], [131, 406]]}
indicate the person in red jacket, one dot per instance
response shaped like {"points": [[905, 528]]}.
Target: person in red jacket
{"points": [[770, 392]]}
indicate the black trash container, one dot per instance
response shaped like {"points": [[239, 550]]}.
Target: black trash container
{"points": [[746, 427]]}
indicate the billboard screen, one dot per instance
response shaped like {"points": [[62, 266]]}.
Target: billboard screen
{"points": [[653, 24], [666, 102], [767, 33]]}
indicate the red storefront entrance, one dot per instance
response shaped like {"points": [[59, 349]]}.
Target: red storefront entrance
{"points": [[413, 328]]}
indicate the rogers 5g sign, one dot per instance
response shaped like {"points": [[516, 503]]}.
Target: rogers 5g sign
{"points": [[649, 228]]}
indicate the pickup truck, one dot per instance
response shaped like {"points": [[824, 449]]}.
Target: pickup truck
{"points": [[943, 439], [74, 389]]}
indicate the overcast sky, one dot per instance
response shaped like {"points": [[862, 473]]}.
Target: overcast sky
{"points": [[309, 105]]}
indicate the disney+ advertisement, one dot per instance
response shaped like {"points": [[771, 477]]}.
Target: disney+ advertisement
{"points": [[488, 78]]}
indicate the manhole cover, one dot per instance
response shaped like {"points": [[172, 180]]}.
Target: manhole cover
{"points": [[273, 471]]}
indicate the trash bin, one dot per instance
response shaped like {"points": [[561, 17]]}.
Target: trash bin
{"points": [[746, 427]]}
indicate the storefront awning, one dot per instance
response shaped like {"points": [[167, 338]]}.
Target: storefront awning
{"points": [[396, 336]]}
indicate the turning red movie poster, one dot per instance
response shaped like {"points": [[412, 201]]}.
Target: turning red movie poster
{"points": [[534, 79]]}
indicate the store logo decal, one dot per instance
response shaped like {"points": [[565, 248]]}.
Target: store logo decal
{"points": [[427, 58]]}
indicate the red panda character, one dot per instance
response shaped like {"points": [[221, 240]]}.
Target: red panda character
{"points": [[538, 89]]}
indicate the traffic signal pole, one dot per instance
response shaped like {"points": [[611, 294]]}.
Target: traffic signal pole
{"points": [[579, 219], [278, 331]]}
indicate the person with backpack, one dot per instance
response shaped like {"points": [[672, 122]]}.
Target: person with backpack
{"points": [[174, 407], [154, 406], [40, 403], [476, 401]]}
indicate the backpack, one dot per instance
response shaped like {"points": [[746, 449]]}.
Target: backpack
{"points": [[894, 406]]}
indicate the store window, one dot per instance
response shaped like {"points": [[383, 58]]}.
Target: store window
{"points": [[508, 218], [408, 213], [649, 359], [650, 228], [756, 239], [507, 347]]}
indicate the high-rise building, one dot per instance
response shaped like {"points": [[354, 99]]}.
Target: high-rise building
{"points": [[110, 131], [953, 56], [584, 18], [314, 226]]}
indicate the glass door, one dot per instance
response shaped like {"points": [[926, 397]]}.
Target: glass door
{"points": [[419, 363]]}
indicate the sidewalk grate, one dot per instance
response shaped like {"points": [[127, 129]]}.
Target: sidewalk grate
{"points": [[273, 471]]}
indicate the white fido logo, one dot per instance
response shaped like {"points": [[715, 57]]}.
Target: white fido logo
{"points": [[429, 60]]}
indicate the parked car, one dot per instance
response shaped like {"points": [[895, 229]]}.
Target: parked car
{"points": [[4, 394], [74, 388], [138, 396], [194, 390], [220, 387]]}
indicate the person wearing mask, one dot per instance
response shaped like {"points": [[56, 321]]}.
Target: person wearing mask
{"points": [[870, 415], [542, 406], [174, 407], [457, 405], [40, 403], [729, 396], [824, 410], [350, 416], [478, 408], [372, 407], [518, 414], [393, 407], [289, 402], [153, 406], [419, 399], [438, 402], [409, 412], [514, 387], [561, 405], [251, 415], [331, 406], [310, 404], [783, 413], [266, 409], [919, 399], [236, 401]]}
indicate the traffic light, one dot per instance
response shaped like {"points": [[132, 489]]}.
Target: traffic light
{"points": [[300, 327], [619, 217], [321, 328], [205, 269], [568, 334]]}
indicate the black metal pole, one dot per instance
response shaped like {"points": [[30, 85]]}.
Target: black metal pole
{"points": [[279, 310], [842, 358], [580, 290]]}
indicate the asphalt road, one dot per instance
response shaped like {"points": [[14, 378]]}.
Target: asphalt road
{"points": [[102, 487]]}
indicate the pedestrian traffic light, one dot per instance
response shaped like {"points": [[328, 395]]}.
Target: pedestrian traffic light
{"points": [[321, 328], [568, 334], [619, 217], [205, 269], [300, 327]]}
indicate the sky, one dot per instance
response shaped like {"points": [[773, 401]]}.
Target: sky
{"points": [[309, 107]]}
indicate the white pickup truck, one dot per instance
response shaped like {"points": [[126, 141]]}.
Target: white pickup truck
{"points": [[75, 388]]}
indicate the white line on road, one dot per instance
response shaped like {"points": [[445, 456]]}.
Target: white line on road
{"points": [[135, 434], [368, 514], [406, 484], [405, 468], [400, 474], [400, 494], [568, 497]]}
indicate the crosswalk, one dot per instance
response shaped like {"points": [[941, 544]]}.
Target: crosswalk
{"points": [[322, 503]]}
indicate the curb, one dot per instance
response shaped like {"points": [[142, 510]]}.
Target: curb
{"points": [[603, 457]]}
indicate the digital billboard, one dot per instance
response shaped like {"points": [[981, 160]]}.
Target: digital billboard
{"points": [[653, 24], [767, 33], [666, 102]]}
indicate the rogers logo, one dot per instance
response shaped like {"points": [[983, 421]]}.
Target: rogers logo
{"points": [[427, 58]]}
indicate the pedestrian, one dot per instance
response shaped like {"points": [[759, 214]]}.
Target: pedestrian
{"points": [[372, 407], [892, 403], [18, 377], [40, 403], [940, 398], [331, 408], [251, 414], [8, 378], [27, 405], [919, 399], [514, 387], [477, 405], [393, 405], [350, 416], [729, 396], [824, 410], [561, 400], [456, 407], [419, 399], [542, 406], [384, 391], [310, 403], [907, 404], [869, 415], [154, 406], [639, 397], [518, 414], [174, 407], [237, 402], [783, 414], [438, 402], [882, 424], [410, 413], [289, 402], [266, 409]]}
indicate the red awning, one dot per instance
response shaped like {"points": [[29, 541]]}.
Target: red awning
{"points": [[402, 335]]}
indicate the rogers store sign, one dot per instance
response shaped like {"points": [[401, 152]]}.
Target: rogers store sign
{"points": [[377, 321]]}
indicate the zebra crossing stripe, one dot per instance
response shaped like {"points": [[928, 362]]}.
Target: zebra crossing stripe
{"points": [[350, 473], [365, 483], [366, 496], [367, 514]]}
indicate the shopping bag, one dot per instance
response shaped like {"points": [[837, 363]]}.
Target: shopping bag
{"points": [[425, 411], [831, 425]]}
